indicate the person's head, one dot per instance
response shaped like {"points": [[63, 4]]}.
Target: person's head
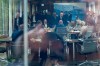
{"points": [[83, 23], [60, 22], [61, 14], [45, 21]]}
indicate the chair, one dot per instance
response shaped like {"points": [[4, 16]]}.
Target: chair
{"points": [[56, 49], [89, 46], [61, 31], [3, 49], [88, 34]]}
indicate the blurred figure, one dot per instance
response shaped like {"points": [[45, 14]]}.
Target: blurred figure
{"points": [[90, 20], [86, 31], [54, 18], [78, 24], [48, 16], [62, 17], [69, 17], [16, 33], [31, 19], [71, 26], [83, 29], [34, 17], [45, 23], [38, 16], [60, 24], [30, 16], [16, 48], [18, 27], [17, 21]]}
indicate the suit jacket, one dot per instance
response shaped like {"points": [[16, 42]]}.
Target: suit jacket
{"points": [[54, 20], [17, 23], [63, 19]]}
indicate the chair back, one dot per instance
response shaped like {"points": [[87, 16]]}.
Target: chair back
{"points": [[88, 46]]}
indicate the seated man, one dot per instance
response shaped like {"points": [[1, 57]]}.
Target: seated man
{"points": [[16, 49], [45, 23], [17, 33], [60, 24], [61, 29], [17, 21], [78, 25]]}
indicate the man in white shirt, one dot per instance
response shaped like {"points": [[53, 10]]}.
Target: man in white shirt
{"points": [[45, 23]]}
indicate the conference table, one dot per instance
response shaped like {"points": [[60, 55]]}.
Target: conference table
{"points": [[74, 32]]}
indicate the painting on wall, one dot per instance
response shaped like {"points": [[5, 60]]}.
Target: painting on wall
{"points": [[76, 9]]}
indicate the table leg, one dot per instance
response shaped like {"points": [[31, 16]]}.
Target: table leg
{"points": [[73, 51], [8, 48], [49, 49], [39, 51]]}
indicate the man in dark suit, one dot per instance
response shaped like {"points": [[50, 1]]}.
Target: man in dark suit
{"points": [[69, 15], [45, 23], [18, 21], [54, 19], [62, 17], [48, 16], [60, 25], [16, 48]]}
